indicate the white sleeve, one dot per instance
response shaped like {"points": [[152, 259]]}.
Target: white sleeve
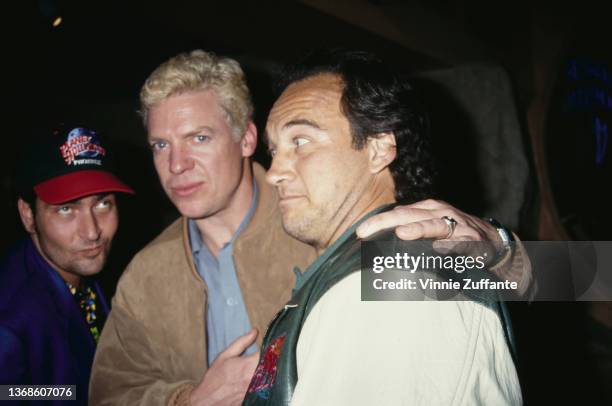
{"points": [[402, 353]]}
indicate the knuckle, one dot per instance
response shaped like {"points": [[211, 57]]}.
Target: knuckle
{"points": [[401, 209], [476, 235], [402, 232], [440, 224], [435, 202], [420, 227]]}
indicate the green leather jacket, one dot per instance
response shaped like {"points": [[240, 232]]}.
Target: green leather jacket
{"points": [[276, 376]]}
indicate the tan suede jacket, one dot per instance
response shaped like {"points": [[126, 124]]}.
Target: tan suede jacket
{"points": [[153, 347]]}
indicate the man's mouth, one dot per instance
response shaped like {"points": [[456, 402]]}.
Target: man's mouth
{"points": [[92, 252], [186, 189], [289, 199]]}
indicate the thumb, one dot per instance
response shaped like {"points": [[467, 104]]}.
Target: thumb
{"points": [[239, 345]]}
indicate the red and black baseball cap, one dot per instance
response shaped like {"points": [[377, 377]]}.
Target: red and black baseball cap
{"points": [[67, 164]]}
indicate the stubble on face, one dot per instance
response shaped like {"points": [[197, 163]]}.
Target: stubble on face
{"points": [[309, 225]]}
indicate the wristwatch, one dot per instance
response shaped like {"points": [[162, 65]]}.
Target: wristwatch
{"points": [[505, 235]]}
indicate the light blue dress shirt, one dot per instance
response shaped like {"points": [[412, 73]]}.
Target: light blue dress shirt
{"points": [[226, 317]]}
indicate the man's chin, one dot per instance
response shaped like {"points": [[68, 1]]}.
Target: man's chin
{"points": [[85, 270], [198, 211], [89, 266], [301, 229], [194, 214], [190, 209]]}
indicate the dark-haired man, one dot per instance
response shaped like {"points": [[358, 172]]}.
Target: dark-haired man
{"points": [[51, 310], [348, 139]]}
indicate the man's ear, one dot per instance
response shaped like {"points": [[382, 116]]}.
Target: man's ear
{"points": [[27, 215], [248, 143], [381, 151]]}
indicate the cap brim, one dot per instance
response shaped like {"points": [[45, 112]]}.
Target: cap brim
{"points": [[79, 184]]}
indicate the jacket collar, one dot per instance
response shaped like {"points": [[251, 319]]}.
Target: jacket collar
{"points": [[267, 201], [51, 281], [73, 325]]}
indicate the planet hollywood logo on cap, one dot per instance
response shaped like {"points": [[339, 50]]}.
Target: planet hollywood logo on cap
{"points": [[82, 147]]}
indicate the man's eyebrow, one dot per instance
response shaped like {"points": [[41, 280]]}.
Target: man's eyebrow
{"points": [[302, 121], [102, 196], [195, 131], [204, 128], [298, 121], [97, 198]]}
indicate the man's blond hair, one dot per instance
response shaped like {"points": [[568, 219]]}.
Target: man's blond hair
{"points": [[199, 70]]}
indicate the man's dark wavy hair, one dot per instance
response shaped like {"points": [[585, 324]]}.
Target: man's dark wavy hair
{"points": [[376, 99]]}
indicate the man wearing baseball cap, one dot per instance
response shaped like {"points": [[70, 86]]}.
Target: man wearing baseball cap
{"points": [[51, 310]]}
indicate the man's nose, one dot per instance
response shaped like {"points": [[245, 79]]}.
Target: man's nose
{"points": [[180, 161], [89, 227], [280, 170]]}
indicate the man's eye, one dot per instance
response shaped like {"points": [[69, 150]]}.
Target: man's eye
{"points": [[201, 138], [104, 204], [158, 145], [299, 141], [64, 210]]}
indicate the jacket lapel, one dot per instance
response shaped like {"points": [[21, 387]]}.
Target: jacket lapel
{"points": [[70, 320]]}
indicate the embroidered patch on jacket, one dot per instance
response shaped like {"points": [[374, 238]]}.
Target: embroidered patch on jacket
{"points": [[265, 374]]}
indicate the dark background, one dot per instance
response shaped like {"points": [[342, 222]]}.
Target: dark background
{"points": [[90, 68]]}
